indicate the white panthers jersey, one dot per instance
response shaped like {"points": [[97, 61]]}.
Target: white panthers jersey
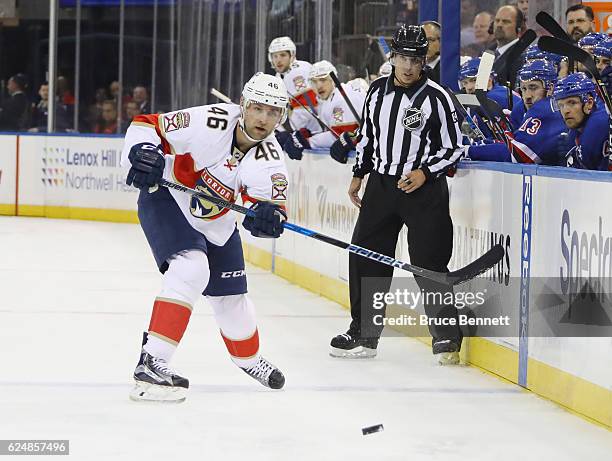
{"points": [[336, 114], [297, 82], [200, 153]]}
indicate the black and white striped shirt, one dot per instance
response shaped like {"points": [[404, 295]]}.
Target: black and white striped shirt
{"points": [[405, 129]]}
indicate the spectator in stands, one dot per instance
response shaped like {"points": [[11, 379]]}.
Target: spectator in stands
{"points": [[115, 91], [482, 35], [108, 125], [508, 24], [94, 112], [523, 5], [40, 113], [580, 21], [132, 109], [15, 112], [432, 32], [468, 11], [140, 95], [64, 92]]}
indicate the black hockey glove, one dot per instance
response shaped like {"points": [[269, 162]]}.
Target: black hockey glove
{"points": [[267, 222], [148, 163], [282, 136], [340, 149], [295, 145]]}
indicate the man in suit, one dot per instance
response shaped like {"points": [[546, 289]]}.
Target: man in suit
{"points": [[432, 32], [140, 95], [15, 113], [507, 27]]}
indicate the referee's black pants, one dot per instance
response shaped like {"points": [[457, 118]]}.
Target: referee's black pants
{"points": [[384, 210]]}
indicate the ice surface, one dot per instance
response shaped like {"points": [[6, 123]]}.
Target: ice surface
{"points": [[77, 295]]}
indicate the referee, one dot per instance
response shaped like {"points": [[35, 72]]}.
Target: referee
{"points": [[408, 140]]}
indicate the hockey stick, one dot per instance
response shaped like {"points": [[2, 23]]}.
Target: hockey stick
{"points": [[554, 28], [383, 45], [321, 122], [475, 268], [489, 118], [497, 112], [557, 46], [514, 53], [221, 96], [334, 77], [466, 115], [481, 87]]}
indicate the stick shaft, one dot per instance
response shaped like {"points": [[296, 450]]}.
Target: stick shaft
{"points": [[345, 96], [364, 252], [221, 96], [321, 122]]}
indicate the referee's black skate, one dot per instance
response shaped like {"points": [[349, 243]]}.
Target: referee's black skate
{"points": [[266, 373], [155, 381], [446, 352], [350, 345]]}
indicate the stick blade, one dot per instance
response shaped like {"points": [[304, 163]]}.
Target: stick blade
{"points": [[548, 22], [554, 45], [477, 267], [484, 70]]}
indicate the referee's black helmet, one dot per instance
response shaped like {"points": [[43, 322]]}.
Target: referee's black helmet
{"points": [[410, 41]]}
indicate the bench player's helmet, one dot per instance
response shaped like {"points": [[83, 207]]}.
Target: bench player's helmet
{"points": [[533, 52], [264, 89], [321, 69], [410, 41], [603, 49], [281, 44], [589, 41], [576, 84], [469, 69], [539, 69]]}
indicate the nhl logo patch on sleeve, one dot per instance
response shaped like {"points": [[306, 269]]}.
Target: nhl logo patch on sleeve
{"points": [[412, 119]]}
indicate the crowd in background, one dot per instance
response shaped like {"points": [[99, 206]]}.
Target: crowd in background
{"points": [[21, 111], [111, 110]]}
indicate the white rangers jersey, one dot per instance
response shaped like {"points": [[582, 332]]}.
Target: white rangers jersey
{"points": [[200, 153], [297, 82], [335, 112]]}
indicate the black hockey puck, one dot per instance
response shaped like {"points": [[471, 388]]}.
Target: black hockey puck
{"points": [[372, 429]]}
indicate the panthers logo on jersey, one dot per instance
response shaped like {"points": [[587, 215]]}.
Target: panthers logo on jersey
{"points": [[300, 83], [210, 185], [338, 114]]}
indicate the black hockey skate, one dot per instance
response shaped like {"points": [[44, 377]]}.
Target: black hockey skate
{"points": [[156, 382], [266, 373], [446, 352], [350, 345]]}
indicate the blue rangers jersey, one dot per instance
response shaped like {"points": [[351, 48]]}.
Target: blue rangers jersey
{"points": [[591, 151], [535, 141], [499, 94]]}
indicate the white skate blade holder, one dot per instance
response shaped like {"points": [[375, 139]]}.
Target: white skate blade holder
{"points": [[147, 392], [447, 358], [359, 352]]}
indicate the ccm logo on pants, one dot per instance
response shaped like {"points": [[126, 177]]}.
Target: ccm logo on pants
{"points": [[232, 274]]}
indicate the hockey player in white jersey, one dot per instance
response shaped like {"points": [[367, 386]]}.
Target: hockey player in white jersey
{"points": [[334, 111], [224, 150], [295, 73]]}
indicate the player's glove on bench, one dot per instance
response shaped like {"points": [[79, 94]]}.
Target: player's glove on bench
{"points": [[340, 149], [148, 164], [296, 143], [267, 222]]}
